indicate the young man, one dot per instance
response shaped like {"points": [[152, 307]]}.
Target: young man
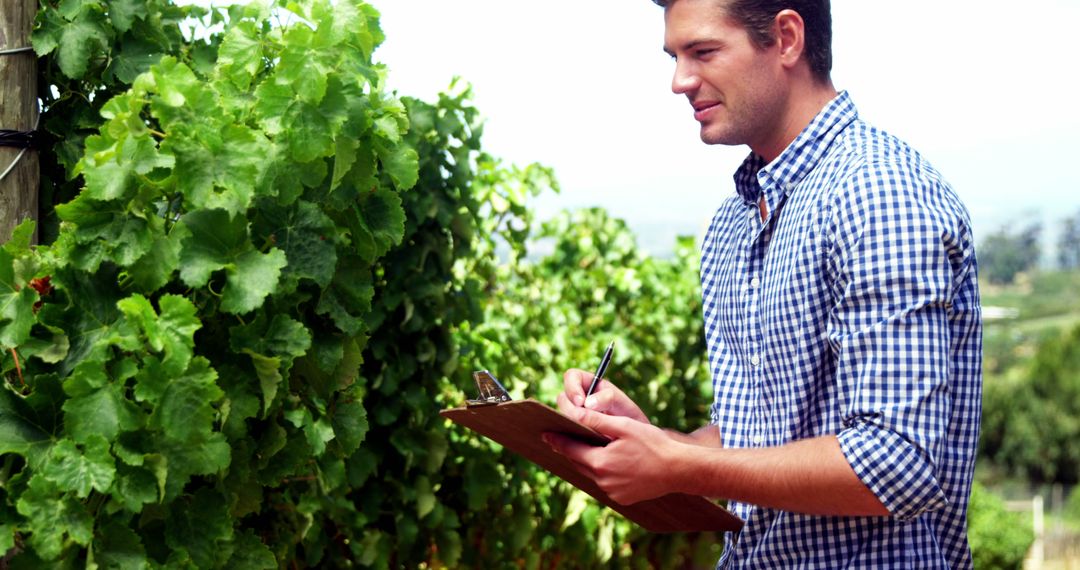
{"points": [[841, 314]]}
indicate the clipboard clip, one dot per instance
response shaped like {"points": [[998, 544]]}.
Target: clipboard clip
{"points": [[491, 391]]}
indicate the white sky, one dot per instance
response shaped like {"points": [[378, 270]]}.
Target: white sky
{"points": [[985, 89]]}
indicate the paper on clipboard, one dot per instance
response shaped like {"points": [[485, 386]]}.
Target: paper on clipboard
{"points": [[518, 426]]}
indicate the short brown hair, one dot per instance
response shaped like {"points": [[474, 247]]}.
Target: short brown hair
{"points": [[757, 16]]}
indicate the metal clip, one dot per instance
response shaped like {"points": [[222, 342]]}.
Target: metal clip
{"points": [[491, 391]]}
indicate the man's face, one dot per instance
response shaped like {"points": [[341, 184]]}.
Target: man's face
{"points": [[735, 88]]}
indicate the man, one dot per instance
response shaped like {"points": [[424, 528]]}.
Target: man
{"points": [[841, 313]]}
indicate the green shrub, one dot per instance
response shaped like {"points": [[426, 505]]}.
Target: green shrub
{"points": [[999, 538]]}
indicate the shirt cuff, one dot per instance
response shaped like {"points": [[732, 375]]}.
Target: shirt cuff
{"points": [[896, 471]]}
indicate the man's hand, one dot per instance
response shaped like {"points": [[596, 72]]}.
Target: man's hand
{"points": [[635, 466], [606, 398]]}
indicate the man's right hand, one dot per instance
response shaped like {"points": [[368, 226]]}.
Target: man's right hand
{"points": [[606, 398]]}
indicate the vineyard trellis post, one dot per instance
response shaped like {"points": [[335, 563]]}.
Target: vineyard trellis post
{"points": [[20, 178]]}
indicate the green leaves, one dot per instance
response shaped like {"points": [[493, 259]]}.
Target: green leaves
{"points": [[16, 303], [21, 427], [185, 412], [80, 470], [171, 332], [114, 170], [218, 241], [53, 518], [240, 57], [101, 413], [307, 236], [224, 207], [78, 29], [124, 12], [272, 348], [221, 164]]}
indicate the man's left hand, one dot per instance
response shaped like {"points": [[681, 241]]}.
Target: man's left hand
{"points": [[637, 465]]}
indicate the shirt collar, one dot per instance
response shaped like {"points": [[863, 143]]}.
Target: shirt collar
{"points": [[799, 158]]}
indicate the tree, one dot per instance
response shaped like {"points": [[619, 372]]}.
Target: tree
{"points": [[1068, 247], [1031, 425], [999, 539], [1004, 253]]}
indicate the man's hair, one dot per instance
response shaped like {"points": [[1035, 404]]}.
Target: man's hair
{"points": [[756, 17]]}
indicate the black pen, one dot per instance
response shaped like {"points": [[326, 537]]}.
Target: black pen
{"points": [[602, 369]]}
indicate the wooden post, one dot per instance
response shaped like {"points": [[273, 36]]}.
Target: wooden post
{"points": [[18, 111]]}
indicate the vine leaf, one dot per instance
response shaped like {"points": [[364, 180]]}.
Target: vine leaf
{"points": [[51, 515], [117, 546], [100, 413], [171, 332], [79, 30], [272, 348], [308, 237], [185, 411], [220, 164], [111, 172], [21, 431], [124, 12], [81, 470], [348, 298], [220, 241], [240, 56], [16, 304]]}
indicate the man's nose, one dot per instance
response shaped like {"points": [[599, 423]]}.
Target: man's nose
{"points": [[684, 80]]}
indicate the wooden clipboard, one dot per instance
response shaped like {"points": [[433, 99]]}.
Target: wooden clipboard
{"points": [[518, 425]]}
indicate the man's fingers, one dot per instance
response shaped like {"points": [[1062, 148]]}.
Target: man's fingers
{"points": [[602, 401], [575, 383], [614, 402], [611, 426], [566, 408], [572, 449]]}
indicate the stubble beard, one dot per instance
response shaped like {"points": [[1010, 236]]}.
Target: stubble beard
{"points": [[744, 123]]}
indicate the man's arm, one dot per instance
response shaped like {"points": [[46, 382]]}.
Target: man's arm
{"points": [[809, 476], [708, 436]]}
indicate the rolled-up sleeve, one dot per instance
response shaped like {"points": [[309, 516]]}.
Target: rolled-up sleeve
{"points": [[896, 261], [897, 472]]}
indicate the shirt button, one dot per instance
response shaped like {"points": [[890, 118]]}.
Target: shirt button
{"points": [[758, 440], [754, 283], [755, 360]]}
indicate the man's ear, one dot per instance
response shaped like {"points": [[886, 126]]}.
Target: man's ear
{"points": [[790, 33]]}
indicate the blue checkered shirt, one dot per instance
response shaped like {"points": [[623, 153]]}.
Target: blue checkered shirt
{"points": [[852, 310]]}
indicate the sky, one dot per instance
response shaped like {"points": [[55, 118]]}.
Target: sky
{"points": [[983, 89]]}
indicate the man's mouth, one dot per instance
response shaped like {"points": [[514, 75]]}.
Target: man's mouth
{"points": [[703, 108]]}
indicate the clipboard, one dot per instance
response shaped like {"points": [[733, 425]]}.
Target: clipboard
{"points": [[518, 424]]}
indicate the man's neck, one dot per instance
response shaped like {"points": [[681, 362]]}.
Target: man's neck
{"points": [[806, 101]]}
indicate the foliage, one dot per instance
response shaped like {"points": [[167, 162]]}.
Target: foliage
{"points": [[1005, 253], [91, 51], [1068, 244], [999, 539], [426, 493], [1072, 506], [1031, 424], [1043, 304], [559, 312], [182, 385]]}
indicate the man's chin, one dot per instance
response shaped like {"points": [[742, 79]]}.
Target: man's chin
{"points": [[712, 137]]}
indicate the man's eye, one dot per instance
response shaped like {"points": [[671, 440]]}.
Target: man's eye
{"points": [[704, 52]]}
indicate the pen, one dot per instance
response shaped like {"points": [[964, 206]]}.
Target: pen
{"points": [[602, 369]]}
